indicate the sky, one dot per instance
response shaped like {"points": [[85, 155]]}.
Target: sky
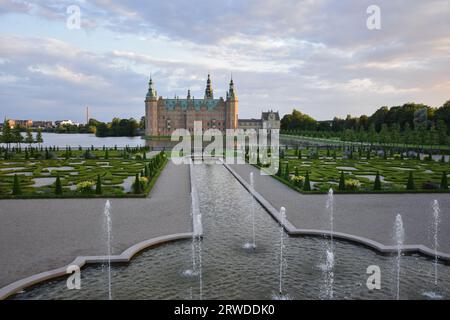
{"points": [[317, 56]]}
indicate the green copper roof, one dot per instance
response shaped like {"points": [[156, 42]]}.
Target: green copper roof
{"points": [[170, 104]]}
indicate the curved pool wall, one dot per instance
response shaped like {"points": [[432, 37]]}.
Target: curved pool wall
{"points": [[231, 272], [292, 230]]}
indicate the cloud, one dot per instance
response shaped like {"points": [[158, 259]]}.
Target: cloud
{"points": [[314, 55]]}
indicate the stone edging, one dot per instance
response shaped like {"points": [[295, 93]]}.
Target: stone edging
{"points": [[292, 230], [80, 261]]}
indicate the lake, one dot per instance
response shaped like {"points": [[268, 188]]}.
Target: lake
{"points": [[87, 140]]}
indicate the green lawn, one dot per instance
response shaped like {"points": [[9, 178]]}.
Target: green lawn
{"points": [[37, 176]]}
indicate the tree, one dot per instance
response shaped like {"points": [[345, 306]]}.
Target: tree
{"points": [[410, 184], [58, 186], [16, 190], [98, 186], [39, 138], [17, 136], [286, 171], [377, 183], [444, 182], [7, 136], [29, 137], [342, 181], [137, 185], [307, 184]]}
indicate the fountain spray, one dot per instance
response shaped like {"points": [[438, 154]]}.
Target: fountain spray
{"points": [[108, 224], [399, 232]]}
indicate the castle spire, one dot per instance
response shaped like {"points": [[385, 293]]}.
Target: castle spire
{"points": [[151, 94], [231, 92], [209, 91]]}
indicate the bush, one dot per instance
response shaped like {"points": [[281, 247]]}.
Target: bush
{"points": [[444, 182], [430, 185], [298, 181], [342, 181], [352, 184], [58, 186], [16, 190], [377, 183], [307, 184], [410, 183], [85, 186], [89, 155], [137, 185], [98, 186]]}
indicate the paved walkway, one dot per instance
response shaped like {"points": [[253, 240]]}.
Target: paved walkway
{"points": [[365, 215], [39, 235]]}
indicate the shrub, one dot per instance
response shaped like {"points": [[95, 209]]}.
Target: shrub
{"points": [[298, 181], [85, 186], [286, 171], [444, 182], [307, 184], [89, 155], [342, 181], [377, 183], [430, 185], [58, 186], [137, 185], [16, 190], [410, 183], [352, 184], [98, 186]]}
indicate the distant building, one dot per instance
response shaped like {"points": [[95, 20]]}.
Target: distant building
{"points": [[21, 123], [42, 124], [163, 115], [269, 120], [64, 123]]}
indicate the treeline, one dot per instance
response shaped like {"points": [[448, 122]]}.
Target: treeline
{"points": [[116, 128], [408, 124]]}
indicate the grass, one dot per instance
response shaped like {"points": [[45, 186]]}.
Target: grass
{"points": [[115, 172], [325, 172]]}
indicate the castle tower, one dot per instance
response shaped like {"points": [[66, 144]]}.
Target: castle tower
{"points": [[232, 107], [209, 90], [151, 111]]}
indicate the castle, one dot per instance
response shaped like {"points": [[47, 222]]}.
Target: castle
{"points": [[163, 116]]}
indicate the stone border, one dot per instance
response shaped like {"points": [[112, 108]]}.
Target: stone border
{"points": [[80, 261], [292, 230]]}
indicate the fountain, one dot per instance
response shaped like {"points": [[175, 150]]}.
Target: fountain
{"points": [[399, 233], [196, 244], [436, 220], [435, 232], [108, 225], [283, 262], [252, 245], [329, 264]]}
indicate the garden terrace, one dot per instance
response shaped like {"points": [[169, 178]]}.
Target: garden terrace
{"points": [[325, 167], [79, 172]]}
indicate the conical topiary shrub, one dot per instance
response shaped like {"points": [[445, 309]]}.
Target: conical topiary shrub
{"points": [[377, 183], [286, 171], [16, 186], [410, 183], [58, 186], [137, 185], [444, 182], [342, 181], [98, 185], [307, 184]]}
